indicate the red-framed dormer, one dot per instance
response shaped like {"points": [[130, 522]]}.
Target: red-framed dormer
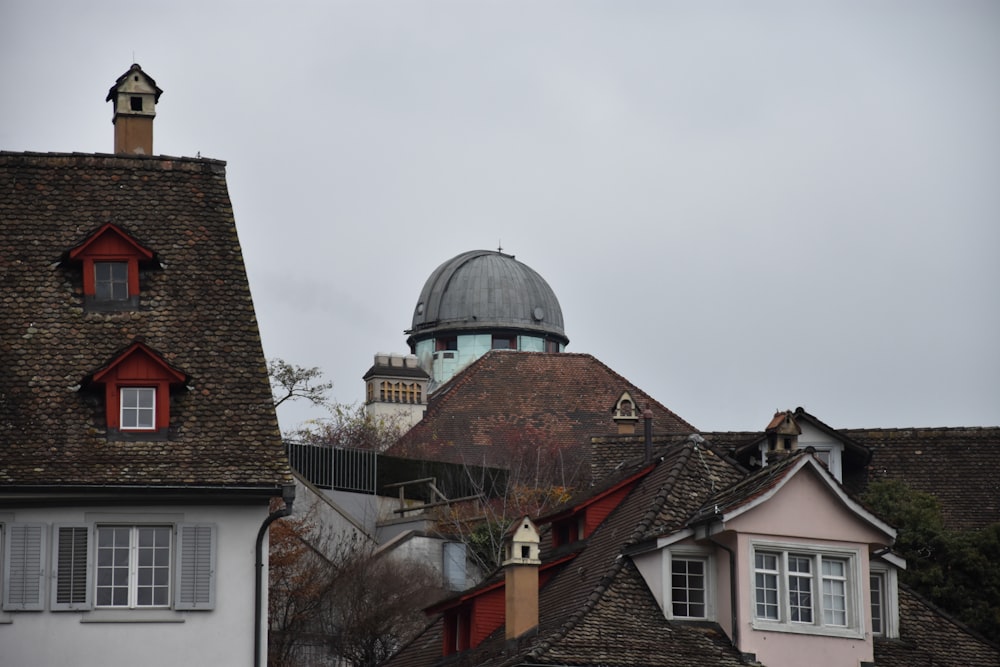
{"points": [[579, 521], [111, 259], [137, 385], [473, 616]]}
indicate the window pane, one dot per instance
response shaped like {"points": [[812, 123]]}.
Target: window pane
{"points": [[877, 603], [688, 587], [800, 589]]}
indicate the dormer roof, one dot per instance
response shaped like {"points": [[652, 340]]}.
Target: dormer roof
{"points": [[107, 239], [759, 487]]}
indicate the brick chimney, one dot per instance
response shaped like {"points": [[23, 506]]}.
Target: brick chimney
{"points": [[134, 97], [521, 578]]}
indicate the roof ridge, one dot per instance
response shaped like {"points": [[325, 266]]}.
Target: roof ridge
{"points": [[652, 511]]}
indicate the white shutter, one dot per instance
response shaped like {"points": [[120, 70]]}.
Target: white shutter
{"points": [[23, 567], [73, 573], [195, 587]]}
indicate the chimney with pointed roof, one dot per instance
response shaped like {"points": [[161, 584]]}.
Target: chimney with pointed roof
{"points": [[521, 578], [134, 97]]}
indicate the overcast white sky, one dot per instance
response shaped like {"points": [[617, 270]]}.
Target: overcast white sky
{"points": [[741, 206]]}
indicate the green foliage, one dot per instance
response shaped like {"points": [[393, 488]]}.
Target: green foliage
{"points": [[956, 570]]}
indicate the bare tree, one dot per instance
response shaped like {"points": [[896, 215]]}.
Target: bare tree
{"points": [[334, 601], [350, 426], [539, 476]]}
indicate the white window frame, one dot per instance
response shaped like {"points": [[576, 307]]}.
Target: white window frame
{"points": [[135, 571], [890, 600], [856, 617], [688, 553], [137, 409]]}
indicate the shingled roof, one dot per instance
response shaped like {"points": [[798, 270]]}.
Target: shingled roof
{"points": [[557, 400], [597, 610], [956, 465], [195, 311]]}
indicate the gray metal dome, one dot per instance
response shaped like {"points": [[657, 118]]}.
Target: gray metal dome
{"points": [[487, 290]]}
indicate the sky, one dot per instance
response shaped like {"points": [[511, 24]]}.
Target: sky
{"points": [[741, 206]]}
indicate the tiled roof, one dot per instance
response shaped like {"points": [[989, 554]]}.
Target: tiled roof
{"points": [[749, 488], [195, 310], [928, 636], [597, 610], [957, 465], [504, 398]]}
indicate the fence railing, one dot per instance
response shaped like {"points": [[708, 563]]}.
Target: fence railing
{"points": [[335, 468]]}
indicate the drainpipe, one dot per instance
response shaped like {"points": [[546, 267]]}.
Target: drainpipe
{"points": [[732, 589], [647, 428], [287, 495]]}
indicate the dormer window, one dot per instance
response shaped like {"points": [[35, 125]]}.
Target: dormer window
{"points": [[137, 386], [111, 260]]}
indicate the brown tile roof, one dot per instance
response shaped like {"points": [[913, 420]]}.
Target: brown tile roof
{"points": [[597, 610], [957, 465], [195, 310], [929, 637], [507, 398]]}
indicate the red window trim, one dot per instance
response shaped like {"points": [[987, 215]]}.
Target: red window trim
{"points": [[90, 251], [138, 366]]}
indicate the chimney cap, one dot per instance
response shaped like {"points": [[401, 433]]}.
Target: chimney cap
{"points": [[135, 70]]}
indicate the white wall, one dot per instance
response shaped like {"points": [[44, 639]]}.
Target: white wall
{"points": [[219, 637]]}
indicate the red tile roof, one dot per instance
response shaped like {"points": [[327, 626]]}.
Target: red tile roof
{"points": [[506, 401]]}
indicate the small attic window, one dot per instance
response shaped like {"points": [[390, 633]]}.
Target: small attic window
{"points": [[111, 281], [136, 386], [110, 259], [135, 102]]}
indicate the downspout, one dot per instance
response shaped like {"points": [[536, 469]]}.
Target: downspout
{"points": [[732, 589], [647, 431], [287, 495]]}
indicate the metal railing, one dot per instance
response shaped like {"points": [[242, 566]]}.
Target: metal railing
{"points": [[337, 468]]}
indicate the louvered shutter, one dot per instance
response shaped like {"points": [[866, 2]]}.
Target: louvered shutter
{"points": [[195, 588], [73, 577], [23, 567]]}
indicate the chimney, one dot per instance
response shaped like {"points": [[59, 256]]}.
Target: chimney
{"points": [[521, 578], [782, 434], [134, 97], [625, 414]]}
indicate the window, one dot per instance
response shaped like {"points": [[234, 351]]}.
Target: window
{"points": [[687, 587], [884, 600], [111, 281], [108, 566], [504, 342], [133, 566], [138, 408], [447, 343], [806, 590], [136, 387], [688, 584], [878, 603], [110, 260]]}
